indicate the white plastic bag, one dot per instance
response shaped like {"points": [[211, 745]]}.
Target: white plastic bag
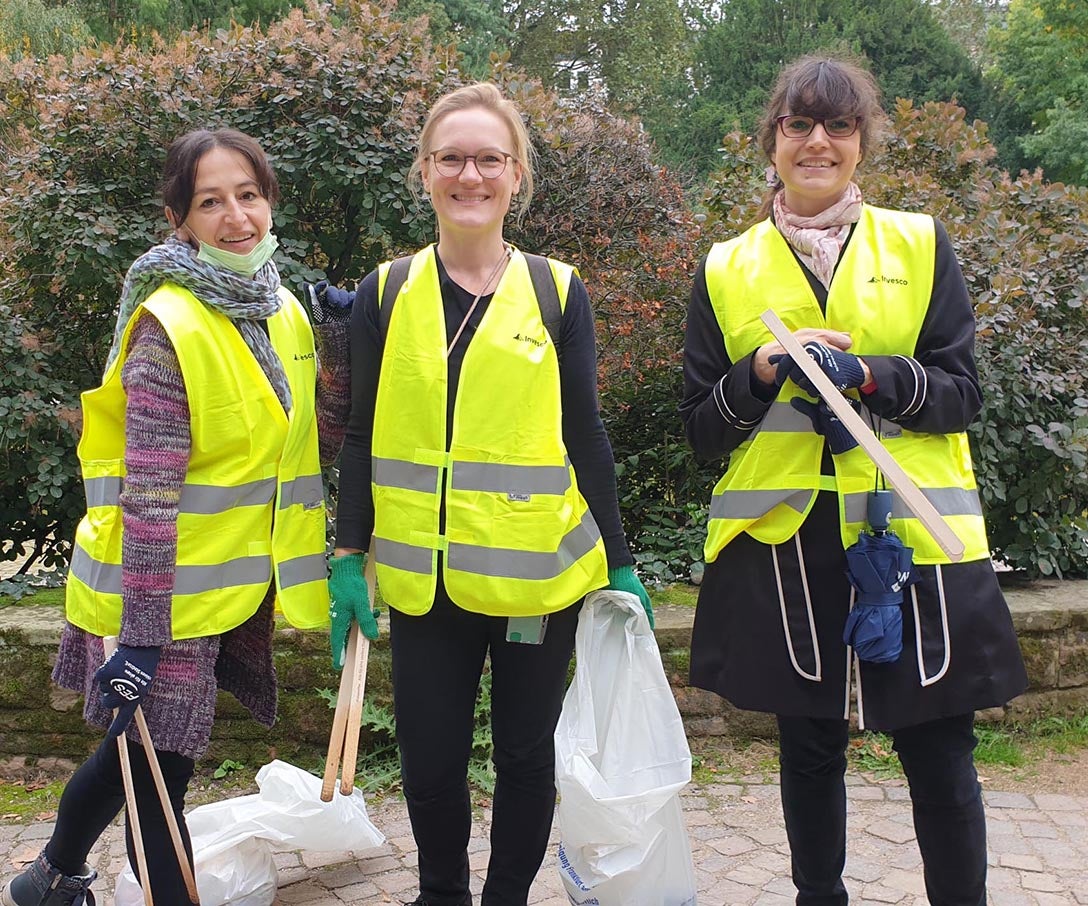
{"points": [[232, 865], [621, 760], [233, 840]]}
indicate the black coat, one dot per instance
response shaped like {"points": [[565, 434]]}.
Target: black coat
{"points": [[770, 639]]}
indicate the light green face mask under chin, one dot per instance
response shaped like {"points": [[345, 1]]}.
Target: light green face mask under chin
{"points": [[246, 265]]}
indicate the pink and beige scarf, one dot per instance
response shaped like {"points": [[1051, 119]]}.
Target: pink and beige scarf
{"points": [[818, 240]]}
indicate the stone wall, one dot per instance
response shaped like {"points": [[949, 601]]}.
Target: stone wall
{"points": [[38, 719]]}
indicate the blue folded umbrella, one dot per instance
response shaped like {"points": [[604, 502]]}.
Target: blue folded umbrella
{"points": [[880, 568]]}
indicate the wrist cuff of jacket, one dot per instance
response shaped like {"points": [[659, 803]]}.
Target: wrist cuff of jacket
{"points": [[730, 417]]}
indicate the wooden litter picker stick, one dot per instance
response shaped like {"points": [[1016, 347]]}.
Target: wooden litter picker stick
{"points": [[109, 643], [344, 737], [908, 491]]}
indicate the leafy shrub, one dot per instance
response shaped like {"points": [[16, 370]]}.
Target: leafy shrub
{"points": [[1022, 244], [40, 496]]}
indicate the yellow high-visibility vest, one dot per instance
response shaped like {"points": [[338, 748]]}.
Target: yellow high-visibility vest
{"points": [[252, 507], [879, 294], [518, 537]]}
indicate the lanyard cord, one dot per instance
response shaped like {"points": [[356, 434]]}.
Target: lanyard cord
{"points": [[506, 255], [878, 477]]}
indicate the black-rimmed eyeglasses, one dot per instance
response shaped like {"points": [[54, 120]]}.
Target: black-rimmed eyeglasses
{"points": [[489, 164], [796, 125]]}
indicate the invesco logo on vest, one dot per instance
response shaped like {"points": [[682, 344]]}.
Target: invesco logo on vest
{"points": [[898, 281], [527, 339]]}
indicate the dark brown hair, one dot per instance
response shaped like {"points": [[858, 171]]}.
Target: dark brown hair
{"points": [[185, 153], [822, 85]]}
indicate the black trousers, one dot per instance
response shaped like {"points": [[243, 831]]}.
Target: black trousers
{"points": [[938, 760], [438, 659], [95, 795]]}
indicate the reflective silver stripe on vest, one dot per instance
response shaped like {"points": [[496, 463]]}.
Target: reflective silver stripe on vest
{"points": [[104, 491], [947, 501], [209, 499], [753, 504], [196, 499], [300, 570], [306, 489], [504, 563], [409, 557], [506, 479], [396, 473], [105, 578], [783, 417]]}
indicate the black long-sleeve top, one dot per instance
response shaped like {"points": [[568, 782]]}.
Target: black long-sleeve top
{"points": [[584, 433], [935, 390]]}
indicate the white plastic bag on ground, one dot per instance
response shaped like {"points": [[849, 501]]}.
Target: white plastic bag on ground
{"points": [[233, 840], [621, 760]]}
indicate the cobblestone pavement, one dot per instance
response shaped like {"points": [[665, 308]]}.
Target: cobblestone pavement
{"points": [[1038, 852]]}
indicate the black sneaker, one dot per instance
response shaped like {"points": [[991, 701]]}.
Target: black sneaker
{"points": [[43, 885]]}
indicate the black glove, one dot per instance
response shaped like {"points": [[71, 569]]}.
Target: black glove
{"points": [[124, 681], [843, 368], [827, 423], [328, 303]]}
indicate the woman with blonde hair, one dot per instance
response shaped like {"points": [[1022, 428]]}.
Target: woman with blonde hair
{"points": [[476, 457], [878, 300]]}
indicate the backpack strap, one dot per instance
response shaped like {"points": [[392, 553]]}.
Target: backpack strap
{"points": [[394, 280], [540, 272], [547, 296]]}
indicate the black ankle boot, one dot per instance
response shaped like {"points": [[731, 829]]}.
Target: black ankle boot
{"points": [[43, 885]]}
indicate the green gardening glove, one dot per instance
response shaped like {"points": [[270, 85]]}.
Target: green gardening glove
{"points": [[348, 600], [624, 579]]}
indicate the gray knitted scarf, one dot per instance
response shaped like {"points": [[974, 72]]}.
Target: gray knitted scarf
{"points": [[244, 300]]}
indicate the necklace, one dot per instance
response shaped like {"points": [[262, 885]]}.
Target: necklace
{"points": [[506, 255]]}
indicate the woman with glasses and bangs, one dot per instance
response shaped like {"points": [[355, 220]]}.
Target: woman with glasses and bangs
{"points": [[478, 477], [878, 300]]}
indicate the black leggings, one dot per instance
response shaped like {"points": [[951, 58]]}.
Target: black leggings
{"points": [[437, 662], [949, 821], [95, 795]]}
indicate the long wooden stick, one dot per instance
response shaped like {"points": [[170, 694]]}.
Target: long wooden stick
{"points": [[109, 643], [344, 738], [361, 651], [167, 808], [908, 491], [339, 725]]}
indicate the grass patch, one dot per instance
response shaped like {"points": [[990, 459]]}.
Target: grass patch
{"points": [[681, 594], [716, 759], [29, 801], [37, 597], [997, 746], [1060, 734]]}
